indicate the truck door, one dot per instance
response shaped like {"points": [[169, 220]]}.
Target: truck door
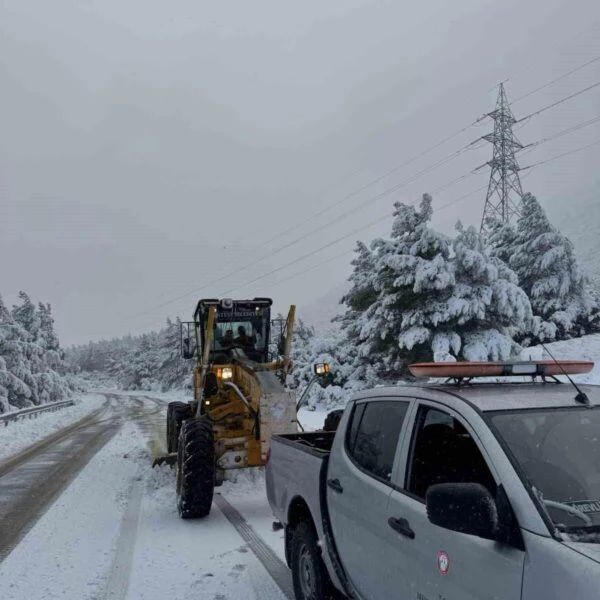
{"points": [[358, 490], [445, 564]]}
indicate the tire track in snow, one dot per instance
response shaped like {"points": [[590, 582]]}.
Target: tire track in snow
{"points": [[120, 572], [30, 488], [270, 561]]}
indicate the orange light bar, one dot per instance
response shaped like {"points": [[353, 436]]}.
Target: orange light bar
{"points": [[461, 370]]}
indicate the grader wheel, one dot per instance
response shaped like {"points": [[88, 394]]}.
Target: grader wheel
{"points": [[195, 468], [177, 412]]}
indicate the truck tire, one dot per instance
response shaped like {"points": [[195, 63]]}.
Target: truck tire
{"points": [[332, 420], [195, 468], [309, 574], [177, 412]]}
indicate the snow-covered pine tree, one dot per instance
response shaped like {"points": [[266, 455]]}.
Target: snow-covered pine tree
{"points": [[501, 240], [16, 380], [414, 280], [301, 372], [47, 336], [487, 309], [352, 351], [5, 381], [47, 385], [545, 263], [26, 315]]}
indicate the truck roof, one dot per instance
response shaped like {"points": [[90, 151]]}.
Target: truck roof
{"points": [[496, 396]]}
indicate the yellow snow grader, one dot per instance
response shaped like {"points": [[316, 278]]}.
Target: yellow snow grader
{"points": [[239, 397]]}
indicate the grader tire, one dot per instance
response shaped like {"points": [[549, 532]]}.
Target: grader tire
{"points": [[170, 409], [195, 468], [177, 412]]}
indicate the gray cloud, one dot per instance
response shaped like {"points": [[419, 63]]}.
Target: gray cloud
{"points": [[149, 148]]}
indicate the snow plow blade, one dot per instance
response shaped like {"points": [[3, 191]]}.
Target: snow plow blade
{"points": [[168, 459]]}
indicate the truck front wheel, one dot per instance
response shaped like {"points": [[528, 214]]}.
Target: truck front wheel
{"points": [[309, 574]]}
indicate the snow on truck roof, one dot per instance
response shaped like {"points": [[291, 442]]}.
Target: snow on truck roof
{"points": [[489, 395]]}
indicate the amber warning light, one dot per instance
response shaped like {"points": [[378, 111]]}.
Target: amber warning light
{"points": [[539, 368]]}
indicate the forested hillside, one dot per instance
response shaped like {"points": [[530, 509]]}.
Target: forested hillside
{"points": [[148, 362]]}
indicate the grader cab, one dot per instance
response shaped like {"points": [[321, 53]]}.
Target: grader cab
{"points": [[239, 397]]}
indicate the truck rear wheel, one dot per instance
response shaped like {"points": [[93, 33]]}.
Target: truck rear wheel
{"points": [[195, 468], [177, 412], [309, 574]]}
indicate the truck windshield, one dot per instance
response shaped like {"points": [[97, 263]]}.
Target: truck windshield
{"points": [[559, 453]]}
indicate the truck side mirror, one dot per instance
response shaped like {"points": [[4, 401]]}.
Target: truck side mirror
{"points": [[464, 507]]}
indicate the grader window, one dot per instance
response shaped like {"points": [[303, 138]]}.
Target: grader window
{"points": [[249, 336], [241, 327]]}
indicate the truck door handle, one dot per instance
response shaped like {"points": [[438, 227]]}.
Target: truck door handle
{"points": [[402, 527], [335, 485]]}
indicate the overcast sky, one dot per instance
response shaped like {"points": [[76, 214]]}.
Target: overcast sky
{"points": [[149, 148]]}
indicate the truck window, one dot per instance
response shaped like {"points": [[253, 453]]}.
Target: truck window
{"points": [[444, 452], [373, 436], [558, 451]]}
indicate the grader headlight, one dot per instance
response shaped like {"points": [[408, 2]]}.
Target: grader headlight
{"points": [[226, 373]]}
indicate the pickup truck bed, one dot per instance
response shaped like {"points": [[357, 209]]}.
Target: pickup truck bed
{"points": [[298, 463], [317, 442]]}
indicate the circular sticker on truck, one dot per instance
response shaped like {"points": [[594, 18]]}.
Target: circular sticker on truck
{"points": [[443, 563]]}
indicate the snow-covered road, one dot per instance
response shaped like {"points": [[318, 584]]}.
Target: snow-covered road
{"points": [[114, 533]]}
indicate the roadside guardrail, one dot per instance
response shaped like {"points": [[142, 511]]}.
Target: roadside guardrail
{"points": [[34, 411]]}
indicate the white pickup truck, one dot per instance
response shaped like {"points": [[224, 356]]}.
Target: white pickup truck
{"points": [[446, 492]]}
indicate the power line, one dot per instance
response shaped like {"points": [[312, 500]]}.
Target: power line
{"points": [[437, 145], [366, 186], [347, 252], [312, 268], [309, 254], [353, 232], [385, 217], [360, 206], [575, 151], [300, 239], [555, 80], [562, 133], [372, 182], [320, 249], [561, 101]]}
